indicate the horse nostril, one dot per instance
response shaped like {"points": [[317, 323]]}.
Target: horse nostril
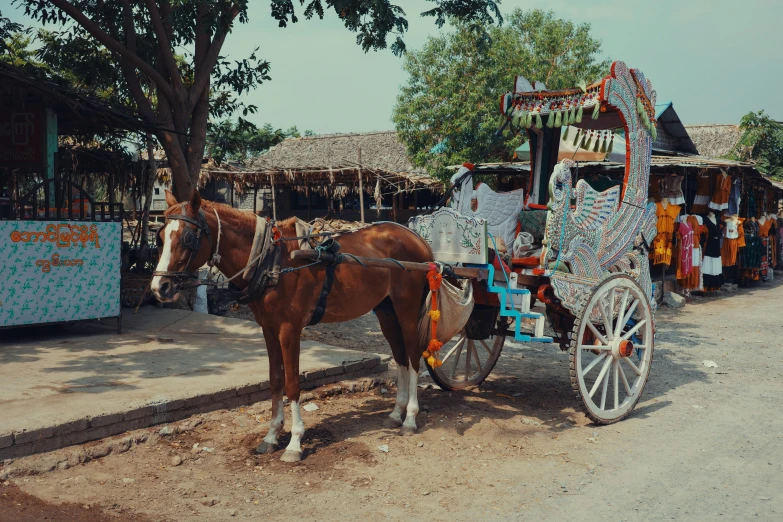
{"points": [[165, 288]]}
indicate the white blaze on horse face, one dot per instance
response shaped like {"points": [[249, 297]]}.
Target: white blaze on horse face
{"points": [[297, 429], [413, 399], [165, 256], [402, 394]]}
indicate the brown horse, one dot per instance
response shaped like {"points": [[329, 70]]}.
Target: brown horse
{"points": [[285, 309]]}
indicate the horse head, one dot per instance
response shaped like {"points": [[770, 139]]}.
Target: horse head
{"points": [[180, 246]]}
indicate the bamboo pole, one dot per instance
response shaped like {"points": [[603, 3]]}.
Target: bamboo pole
{"points": [[374, 262], [361, 187], [274, 203]]}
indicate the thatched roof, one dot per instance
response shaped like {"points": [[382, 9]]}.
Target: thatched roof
{"points": [[714, 141], [334, 158]]}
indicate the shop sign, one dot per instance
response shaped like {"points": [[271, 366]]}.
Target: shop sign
{"points": [[22, 137], [54, 271]]}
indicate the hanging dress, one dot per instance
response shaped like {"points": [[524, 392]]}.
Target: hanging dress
{"points": [[728, 250], [779, 237], [734, 197], [672, 190], [662, 244], [720, 197], [654, 193], [684, 261], [766, 270], [693, 280], [712, 268], [703, 192]]}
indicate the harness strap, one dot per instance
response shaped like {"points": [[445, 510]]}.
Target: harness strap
{"points": [[331, 258]]}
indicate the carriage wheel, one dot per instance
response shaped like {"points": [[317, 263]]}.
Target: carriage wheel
{"points": [[467, 362], [612, 349]]}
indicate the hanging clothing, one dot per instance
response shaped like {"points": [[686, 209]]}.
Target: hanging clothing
{"points": [[672, 190], [712, 268], [703, 192], [728, 250], [734, 196], [767, 250], [662, 244], [720, 197], [749, 254], [654, 193], [779, 237], [693, 280], [684, 250]]}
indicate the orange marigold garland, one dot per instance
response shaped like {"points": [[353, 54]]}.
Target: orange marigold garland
{"points": [[431, 354]]}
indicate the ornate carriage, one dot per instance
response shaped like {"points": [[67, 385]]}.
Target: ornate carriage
{"points": [[582, 261]]}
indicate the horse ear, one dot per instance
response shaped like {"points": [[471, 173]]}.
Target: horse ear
{"points": [[195, 201], [170, 199]]}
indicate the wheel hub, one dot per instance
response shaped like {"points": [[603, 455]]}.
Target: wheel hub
{"points": [[622, 348]]}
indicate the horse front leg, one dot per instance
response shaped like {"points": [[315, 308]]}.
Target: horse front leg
{"points": [[276, 382], [412, 406], [289, 343]]}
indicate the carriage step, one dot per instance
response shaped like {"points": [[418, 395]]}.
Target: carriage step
{"points": [[515, 303]]}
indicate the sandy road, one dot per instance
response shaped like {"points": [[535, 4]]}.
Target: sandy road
{"points": [[703, 444]]}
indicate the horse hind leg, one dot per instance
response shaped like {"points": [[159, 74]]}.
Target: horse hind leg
{"points": [[391, 330], [406, 307]]}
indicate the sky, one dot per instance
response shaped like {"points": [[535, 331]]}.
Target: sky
{"points": [[715, 60]]}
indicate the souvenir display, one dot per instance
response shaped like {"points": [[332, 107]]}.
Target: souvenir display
{"points": [[720, 197], [662, 245], [728, 250], [703, 193]]}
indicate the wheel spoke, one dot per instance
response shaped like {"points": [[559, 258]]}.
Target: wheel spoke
{"points": [[594, 363], [601, 375], [619, 326], [486, 347], [478, 361], [630, 312], [627, 335], [454, 348], [593, 347], [616, 365], [456, 361], [607, 319], [595, 331], [625, 380], [605, 389], [635, 368]]}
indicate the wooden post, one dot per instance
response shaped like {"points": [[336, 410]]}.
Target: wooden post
{"points": [[307, 192], [394, 207], [361, 187], [255, 199], [274, 202], [415, 202]]}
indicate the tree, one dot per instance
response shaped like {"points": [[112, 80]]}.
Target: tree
{"points": [[452, 96], [171, 49], [242, 140], [761, 142]]}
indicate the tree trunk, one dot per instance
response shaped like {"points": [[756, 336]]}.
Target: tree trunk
{"points": [[145, 215]]}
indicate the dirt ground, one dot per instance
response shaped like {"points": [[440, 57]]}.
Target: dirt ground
{"points": [[703, 444]]}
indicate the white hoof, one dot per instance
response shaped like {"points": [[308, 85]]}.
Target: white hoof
{"points": [[392, 423], [291, 456], [407, 431]]}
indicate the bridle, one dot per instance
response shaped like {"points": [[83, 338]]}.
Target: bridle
{"points": [[191, 240]]}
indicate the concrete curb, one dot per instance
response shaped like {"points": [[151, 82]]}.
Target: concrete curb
{"points": [[49, 438]]}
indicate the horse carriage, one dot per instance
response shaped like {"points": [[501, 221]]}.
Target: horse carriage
{"points": [[584, 266], [579, 263]]}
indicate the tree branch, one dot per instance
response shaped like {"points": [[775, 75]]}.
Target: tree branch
{"points": [[113, 45], [164, 46], [203, 70]]}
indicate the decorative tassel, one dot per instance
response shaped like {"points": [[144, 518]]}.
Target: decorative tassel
{"points": [[654, 132], [579, 114], [597, 143], [550, 121], [639, 106], [576, 138], [611, 145], [603, 145], [529, 120], [584, 140], [565, 134], [539, 123], [589, 142], [559, 119], [571, 115], [597, 110]]}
